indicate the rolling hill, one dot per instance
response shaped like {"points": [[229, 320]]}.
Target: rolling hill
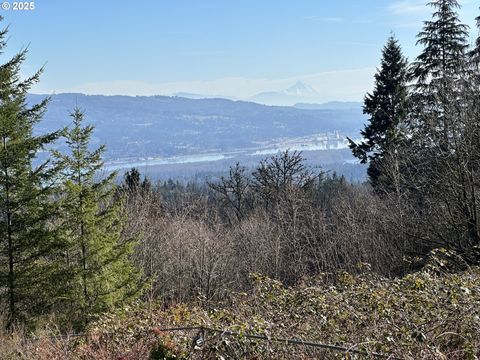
{"points": [[161, 126]]}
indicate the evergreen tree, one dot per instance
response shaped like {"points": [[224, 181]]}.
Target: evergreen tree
{"points": [[443, 123], [132, 183], [131, 180], [438, 72], [29, 245], [387, 108], [103, 276], [444, 39]]}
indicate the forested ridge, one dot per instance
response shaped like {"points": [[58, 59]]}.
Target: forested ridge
{"points": [[388, 268]]}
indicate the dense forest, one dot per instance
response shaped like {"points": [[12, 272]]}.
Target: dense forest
{"points": [[388, 268]]}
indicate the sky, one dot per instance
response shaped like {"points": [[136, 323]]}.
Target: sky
{"points": [[213, 47]]}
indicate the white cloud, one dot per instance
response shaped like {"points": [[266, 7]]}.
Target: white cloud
{"points": [[346, 85], [412, 13], [409, 7]]}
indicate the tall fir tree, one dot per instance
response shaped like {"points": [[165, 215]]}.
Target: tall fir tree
{"points": [[387, 108], [437, 73], [443, 121], [445, 41], [131, 180], [29, 242], [103, 275], [132, 184]]}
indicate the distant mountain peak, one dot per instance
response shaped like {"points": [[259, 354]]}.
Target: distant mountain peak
{"points": [[298, 92], [301, 89]]}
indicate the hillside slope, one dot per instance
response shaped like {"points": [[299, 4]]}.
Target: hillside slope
{"points": [[172, 126]]}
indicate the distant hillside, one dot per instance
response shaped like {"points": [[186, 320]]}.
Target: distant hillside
{"points": [[170, 126], [332, 105], [201, 96]]}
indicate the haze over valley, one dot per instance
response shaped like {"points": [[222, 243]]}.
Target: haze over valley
{"points": [[174, 134]]}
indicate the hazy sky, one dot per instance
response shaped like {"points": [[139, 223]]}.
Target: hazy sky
{"points": [[234, 48]]}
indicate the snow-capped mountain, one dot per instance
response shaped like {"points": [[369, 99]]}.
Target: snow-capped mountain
{"points": [[299, 92], [301, 89]]}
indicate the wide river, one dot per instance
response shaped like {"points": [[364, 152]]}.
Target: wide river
{"points": [[207, 157]]}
